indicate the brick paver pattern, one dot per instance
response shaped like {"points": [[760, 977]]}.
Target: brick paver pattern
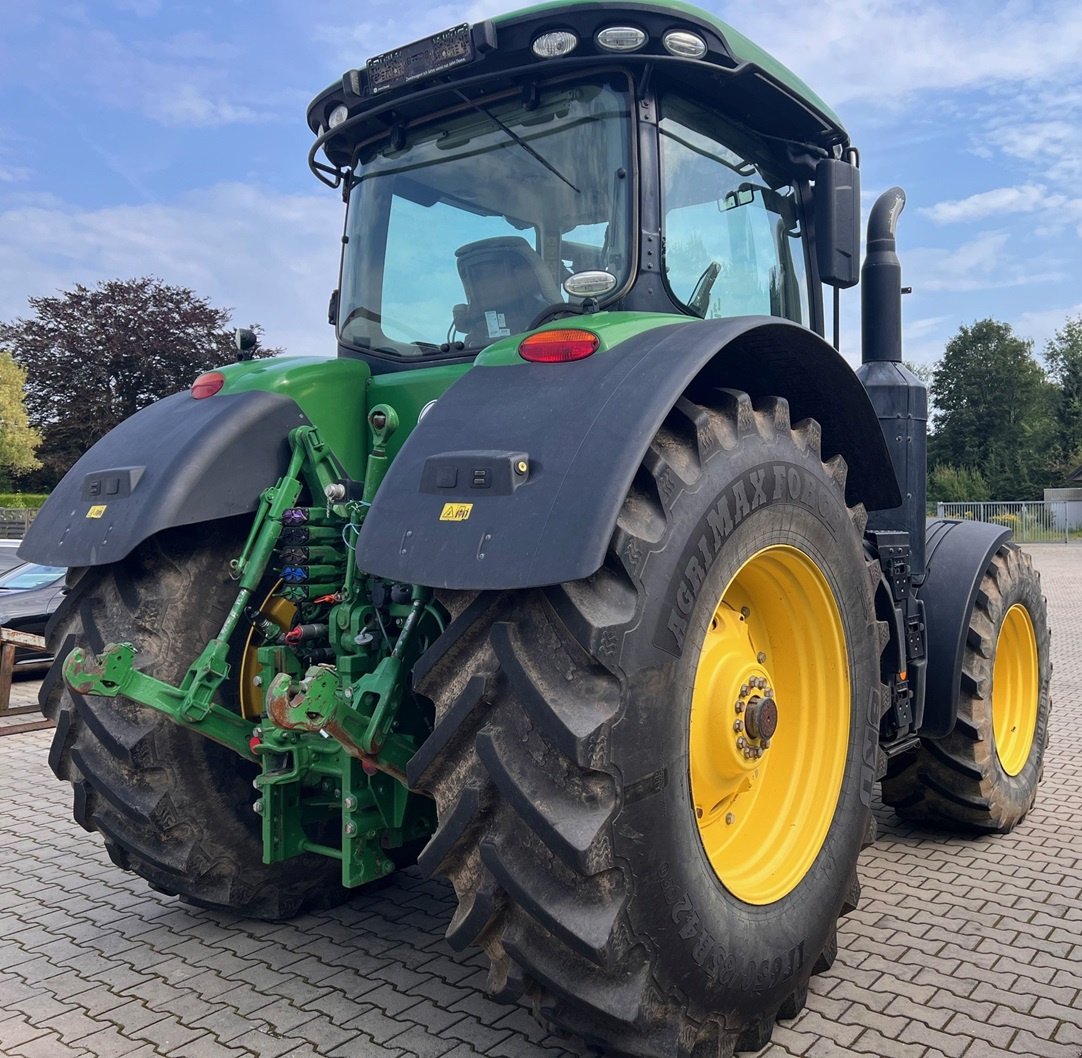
{"points": [[961, 947]]}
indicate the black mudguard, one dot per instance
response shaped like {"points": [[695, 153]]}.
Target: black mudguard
{"points": [[177, 462], [582, 429], [959, 553]]}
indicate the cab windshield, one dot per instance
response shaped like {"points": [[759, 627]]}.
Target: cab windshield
{"points": [[465, 229]]}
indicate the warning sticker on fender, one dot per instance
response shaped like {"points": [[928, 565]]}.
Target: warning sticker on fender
{"points": [[96, 511], [455, 512]]}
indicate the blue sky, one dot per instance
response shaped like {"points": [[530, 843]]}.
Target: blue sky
{"points": [[168, 138]]}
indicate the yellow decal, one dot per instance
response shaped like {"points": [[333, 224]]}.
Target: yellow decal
{"points": [[455, 512], [96, 511]]}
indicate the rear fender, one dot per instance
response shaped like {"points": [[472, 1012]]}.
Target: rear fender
{"points": [[959, 553], [455, 512], [177, 462]]}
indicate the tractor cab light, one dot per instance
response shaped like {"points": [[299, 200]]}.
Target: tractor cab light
{"points": [[558, 347], [684, 45], [555, 44], [207, 384], [338, 116], [621, 38]]}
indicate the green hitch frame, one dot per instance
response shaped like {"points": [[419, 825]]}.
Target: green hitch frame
{"points": [[333, 763]]}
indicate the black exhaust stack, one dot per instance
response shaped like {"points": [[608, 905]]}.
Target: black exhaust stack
{"points": [[900, 398]]}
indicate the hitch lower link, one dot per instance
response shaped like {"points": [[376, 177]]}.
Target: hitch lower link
{"points": [[326, 744]]}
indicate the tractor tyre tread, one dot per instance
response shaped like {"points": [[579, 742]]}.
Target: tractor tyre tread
{"points": [[957, 782], [171, 806], [527, 687]]}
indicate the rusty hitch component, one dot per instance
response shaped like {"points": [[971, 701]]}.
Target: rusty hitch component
{"points": [[113, 674], [319, 706]]}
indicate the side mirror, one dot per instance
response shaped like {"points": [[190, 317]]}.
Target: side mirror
{"points": [[332, 308], [837, 222]]}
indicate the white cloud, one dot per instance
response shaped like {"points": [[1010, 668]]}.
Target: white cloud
{"points": [[878, 50], [271, 258], [183, 80], [1041, 324], [1026, 198], [977, 265]]}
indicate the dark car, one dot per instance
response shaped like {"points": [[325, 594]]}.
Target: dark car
{"points": [[29, 593]]}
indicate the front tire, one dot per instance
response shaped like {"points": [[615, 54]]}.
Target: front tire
{"points": [[172, 806], [575, 732], [983, 776]]}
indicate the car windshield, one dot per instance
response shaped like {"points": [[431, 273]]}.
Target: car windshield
{"points": [[30, 575], [464, 230]]}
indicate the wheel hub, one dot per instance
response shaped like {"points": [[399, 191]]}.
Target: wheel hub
{"points": [[762, 718]]}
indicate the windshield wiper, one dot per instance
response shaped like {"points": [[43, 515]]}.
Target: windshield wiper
{"points": [[516, 137]]}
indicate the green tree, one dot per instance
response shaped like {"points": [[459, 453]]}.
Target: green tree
{"points": [[93, 357], [947, 484], [18, 439], [995, 411], [1063, 355]]}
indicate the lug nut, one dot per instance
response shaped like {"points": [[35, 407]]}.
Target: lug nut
{"points": [[739, 707], [765, 743], [741, 742], [258, 807], [738, 725], [748, 754], [744, 691], [351, 829], [349, 803]]}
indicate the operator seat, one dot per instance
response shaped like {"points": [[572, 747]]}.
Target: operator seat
{"points": [[506, 284]]}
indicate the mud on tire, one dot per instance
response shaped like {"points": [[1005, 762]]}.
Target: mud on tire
{"points": [[171, 805], [559, 760]]}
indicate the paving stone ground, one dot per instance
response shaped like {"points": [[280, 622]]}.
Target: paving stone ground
{"points": [[965, 948]]}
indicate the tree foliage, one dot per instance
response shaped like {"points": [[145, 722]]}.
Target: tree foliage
{"points": [[1064, 357], [93, 357], [947, 483], [18, 439], [995, 411]]}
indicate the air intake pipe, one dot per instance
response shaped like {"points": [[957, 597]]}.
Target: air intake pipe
{"points": [[900, 398]]}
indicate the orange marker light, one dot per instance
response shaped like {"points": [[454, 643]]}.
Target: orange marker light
{"points": [[558, 347]]}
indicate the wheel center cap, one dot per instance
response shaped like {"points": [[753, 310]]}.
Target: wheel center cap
{"points": [[761, 718]]}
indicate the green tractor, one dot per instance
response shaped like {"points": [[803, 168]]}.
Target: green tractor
{"points": [[588, 575]]}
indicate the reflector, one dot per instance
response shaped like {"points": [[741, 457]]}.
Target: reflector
{"points": [[558, 347], [207, 384]]}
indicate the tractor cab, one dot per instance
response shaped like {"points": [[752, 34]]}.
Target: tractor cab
{"points": [[568, 160]]}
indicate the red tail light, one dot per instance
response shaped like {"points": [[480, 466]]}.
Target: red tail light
{"points": [[207, 384], [558, 347]]}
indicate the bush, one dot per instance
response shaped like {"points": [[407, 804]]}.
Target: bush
{"points": [[22, 499]]}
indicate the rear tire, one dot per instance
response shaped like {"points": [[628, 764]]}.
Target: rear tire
{"points": [[983, 777], [561, 757], [171, 805]]}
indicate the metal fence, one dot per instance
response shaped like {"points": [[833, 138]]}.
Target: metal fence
{"points": [[1032, 521], [14, 522]]}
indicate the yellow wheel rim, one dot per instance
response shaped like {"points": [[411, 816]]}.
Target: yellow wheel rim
{"points": [[764, 788], [1016, 689], [283, 613]]}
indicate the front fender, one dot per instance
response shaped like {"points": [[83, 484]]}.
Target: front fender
{"points": [[454, 512], [176, 462], [958, 556]]}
